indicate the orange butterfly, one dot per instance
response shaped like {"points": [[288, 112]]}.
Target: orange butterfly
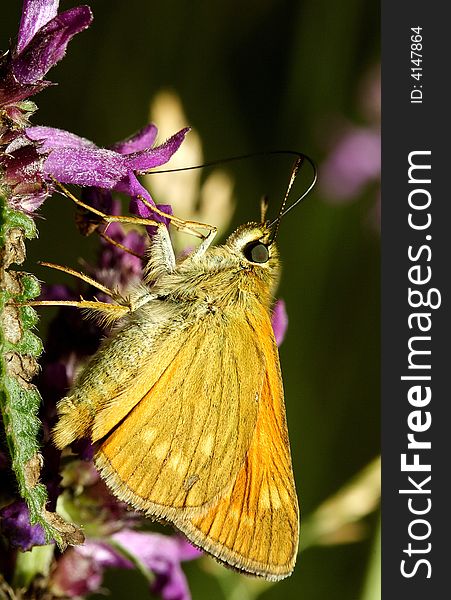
{"points": [[185, 400]]}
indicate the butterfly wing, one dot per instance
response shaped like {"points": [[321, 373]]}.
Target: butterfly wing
{"points": [[255, 525], [184, 441], [207, 449]]}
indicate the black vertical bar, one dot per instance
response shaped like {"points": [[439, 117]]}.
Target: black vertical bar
{"points": [[416, 512]]}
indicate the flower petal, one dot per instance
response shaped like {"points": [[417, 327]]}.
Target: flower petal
{"points": [[48, 46], [353, 163], [22, 169], [141, 140], [104, 555], [51, 137], [86, 166], [279, 321], [186, 551], [171, 584], [151, 547], [15, 524], [162, 555], [12, 91], [35, 14], [154, 157], [76, 575], [134, 189], [73, 159]]}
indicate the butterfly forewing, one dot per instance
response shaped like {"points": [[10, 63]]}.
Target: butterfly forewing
{"points": [[184, 442]]}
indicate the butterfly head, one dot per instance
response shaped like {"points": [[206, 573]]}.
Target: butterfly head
{"points": [[254, 253], [252, 244]]}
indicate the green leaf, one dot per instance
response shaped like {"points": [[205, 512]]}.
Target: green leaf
{"points": [[19, 398]]}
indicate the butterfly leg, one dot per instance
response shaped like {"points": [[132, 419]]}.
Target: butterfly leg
{"points": [[83, 277], [161, 255], [181, 224], [187, 226], [103, 216], [110, 240], [206, 243], [110, 311]]}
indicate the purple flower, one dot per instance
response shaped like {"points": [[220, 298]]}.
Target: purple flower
{"points": [[80, 570], [22, 172], [42, 41], [354, 162], [15, 526], [279, 321], [32, 161], [353, 166], [76, 575], [117, 268], [73, 159]]}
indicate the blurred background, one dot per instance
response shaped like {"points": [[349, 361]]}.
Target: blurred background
{"points": [[250, 76]]}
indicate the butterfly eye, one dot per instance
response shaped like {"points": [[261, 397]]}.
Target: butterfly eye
{"points": [[256, 252]]}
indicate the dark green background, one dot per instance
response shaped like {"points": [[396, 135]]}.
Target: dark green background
{"points": [[254, 75]]}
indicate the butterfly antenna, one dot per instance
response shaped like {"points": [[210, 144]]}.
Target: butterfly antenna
{"points": [[301, 158], [276, 222], [264, 203], [283, 209]]}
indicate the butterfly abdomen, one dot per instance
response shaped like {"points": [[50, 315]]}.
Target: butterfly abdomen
{"points": [[74, 422]]}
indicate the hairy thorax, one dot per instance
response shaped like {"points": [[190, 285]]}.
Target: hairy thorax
{"points": [[219, 280]]}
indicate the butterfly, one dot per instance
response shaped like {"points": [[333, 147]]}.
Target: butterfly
{"points": [[184, 400]]}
